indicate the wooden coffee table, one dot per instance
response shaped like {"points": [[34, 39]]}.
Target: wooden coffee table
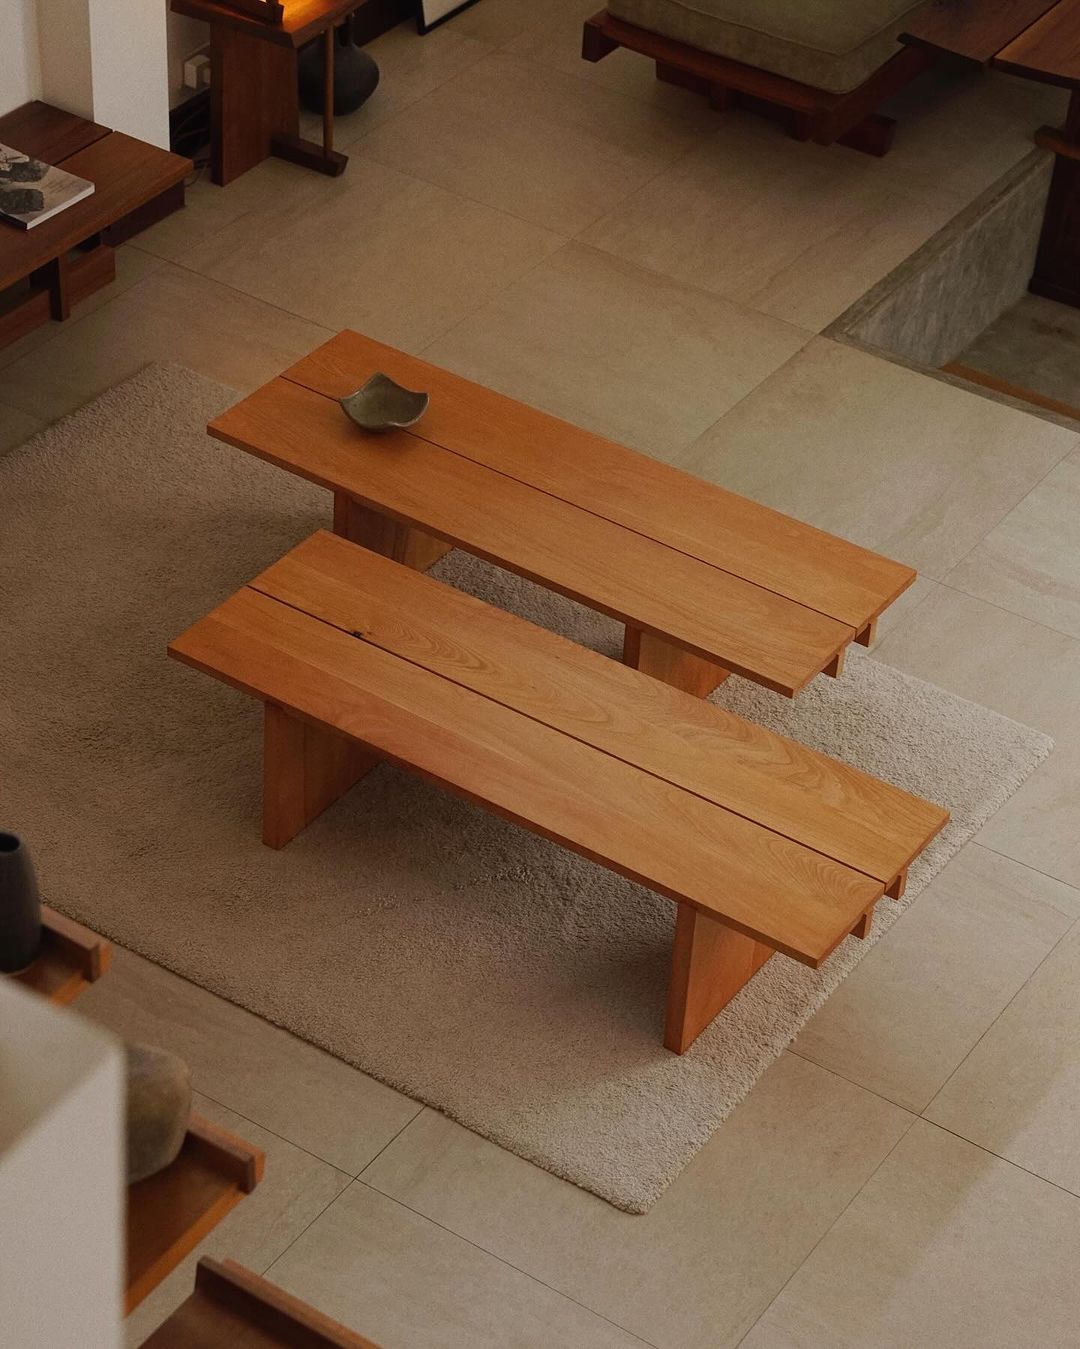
{"points": [[705, 582]]}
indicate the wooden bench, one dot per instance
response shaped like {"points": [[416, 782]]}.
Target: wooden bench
{"points": [[67, 258], [763, 844], [704, 581]]}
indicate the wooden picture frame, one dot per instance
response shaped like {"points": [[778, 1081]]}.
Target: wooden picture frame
{"points": [[431, 13]]}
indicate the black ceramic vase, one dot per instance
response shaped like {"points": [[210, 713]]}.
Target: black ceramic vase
{"points": [[20, 907], [355, 74]]}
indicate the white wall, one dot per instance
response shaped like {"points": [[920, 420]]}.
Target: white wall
{"points": [[20, 65], [184, 37], [61, 1177]]}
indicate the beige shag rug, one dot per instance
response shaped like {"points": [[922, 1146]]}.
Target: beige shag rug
{"points": [[514, 986]]}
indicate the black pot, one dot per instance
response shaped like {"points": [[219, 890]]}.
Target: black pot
{"points": [[20, 906], [355, 74]]}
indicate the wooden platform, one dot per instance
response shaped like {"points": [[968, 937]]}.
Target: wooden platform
{"points": [[70, 959], [705, 581], [765, 845], [66, 258], [1037, 40], [232, 1308], [169, 1213]]}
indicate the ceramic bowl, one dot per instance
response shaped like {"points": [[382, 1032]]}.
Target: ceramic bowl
{"points": [[383, 405]]}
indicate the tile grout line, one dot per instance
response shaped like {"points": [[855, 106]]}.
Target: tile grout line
{"points": [[420, 1108], [780, 1291], [533, 1278], [1064, 936]]}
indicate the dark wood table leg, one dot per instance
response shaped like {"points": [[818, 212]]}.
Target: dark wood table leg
{"points": [[1057, 265], [254, 97]]}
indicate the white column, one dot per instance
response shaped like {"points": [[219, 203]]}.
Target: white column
{"points": [[108, 60], [61, 1177]]}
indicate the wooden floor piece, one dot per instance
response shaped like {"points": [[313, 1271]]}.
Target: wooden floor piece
{"points": [[168, 1214], [233, 1308], [70, 959]]}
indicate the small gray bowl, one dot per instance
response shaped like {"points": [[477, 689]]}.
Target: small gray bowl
{"points": [[383, 405]]}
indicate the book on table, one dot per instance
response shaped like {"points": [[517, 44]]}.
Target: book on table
{"points": [[32, 192]]}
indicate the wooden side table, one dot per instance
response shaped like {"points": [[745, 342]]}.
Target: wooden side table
{"points": [[255, 105]]}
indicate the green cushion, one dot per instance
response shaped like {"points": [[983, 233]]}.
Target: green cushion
{"points": [[828, 44]]}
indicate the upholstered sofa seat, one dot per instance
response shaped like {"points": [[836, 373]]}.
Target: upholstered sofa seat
{"points": [[828, 44]]}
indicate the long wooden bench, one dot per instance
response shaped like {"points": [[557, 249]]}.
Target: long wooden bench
{"points": [[763, 844], [704, 580]]}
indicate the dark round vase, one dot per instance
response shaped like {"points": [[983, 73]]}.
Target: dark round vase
{"points": [[355, 74], [20, 906]]}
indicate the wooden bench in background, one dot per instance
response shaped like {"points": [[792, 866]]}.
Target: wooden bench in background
{"points": [[763, 844], [705, 581], [819, 115], [46, 270]]}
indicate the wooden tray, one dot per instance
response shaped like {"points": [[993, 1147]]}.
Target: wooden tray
{"points": [[71, 958], [232, 1306], [169, 1214]]}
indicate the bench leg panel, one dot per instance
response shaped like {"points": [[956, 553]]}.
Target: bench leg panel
{"points": [[710, 963], [654, 656], [304, 771], [411, 547]]}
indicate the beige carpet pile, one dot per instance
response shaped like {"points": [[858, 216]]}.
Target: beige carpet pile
{"points": [[512, 985]]}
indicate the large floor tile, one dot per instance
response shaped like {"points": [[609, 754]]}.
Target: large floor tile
{"points": [[1038, 826], [615, 348], [696, 1271], [1018, 1092], [171, 315], [880, 454], [295, 1189], [554, 149], [375, 250], [1027, 671], [798, 231], [946, 1246], [291, 1088], [960, 129], [16, 426], [409, 1284], [1030, 563], [980, 651], [915, 1006], [410, 66]]}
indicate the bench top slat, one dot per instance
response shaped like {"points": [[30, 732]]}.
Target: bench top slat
{"points": [[825, 805], [721, 528], [710, 612], [1049, 50], [757, 881], [974, 29]]}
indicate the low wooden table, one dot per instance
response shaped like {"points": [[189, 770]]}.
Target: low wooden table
{"points": [[1039, 40], [704, 581], [71, 255], [763, 844]]}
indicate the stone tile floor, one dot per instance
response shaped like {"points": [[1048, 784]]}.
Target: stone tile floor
{"points": [[604, 246]]}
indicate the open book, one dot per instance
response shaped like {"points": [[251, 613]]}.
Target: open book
{"points": [[31, 192]]}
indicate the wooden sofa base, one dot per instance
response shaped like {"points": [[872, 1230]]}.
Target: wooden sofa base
{"points": [[813, 114]]}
